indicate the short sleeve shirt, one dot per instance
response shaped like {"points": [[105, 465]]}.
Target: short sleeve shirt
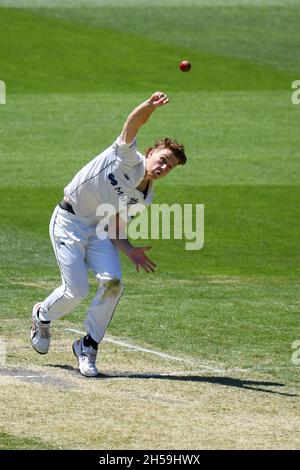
{"points": [[110, 178]]}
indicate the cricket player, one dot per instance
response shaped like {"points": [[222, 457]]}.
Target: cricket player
{"points": [[119, 177]]}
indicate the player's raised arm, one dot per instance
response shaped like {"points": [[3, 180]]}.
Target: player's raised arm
{"points": [[141, 114]]}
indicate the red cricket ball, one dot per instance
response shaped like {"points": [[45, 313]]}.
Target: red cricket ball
{"points": [[185, 66]]}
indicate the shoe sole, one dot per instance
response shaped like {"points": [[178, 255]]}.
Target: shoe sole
{"points": [[43, 353], [39, 352]]}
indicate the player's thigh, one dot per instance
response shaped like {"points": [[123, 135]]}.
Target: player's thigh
{"points": [[73, 268], [70, 255], [102, 257]]}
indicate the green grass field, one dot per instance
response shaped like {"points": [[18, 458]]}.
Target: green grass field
{"points": [[73, 71]]}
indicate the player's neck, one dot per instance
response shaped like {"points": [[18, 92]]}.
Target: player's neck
{"points": [[143, 185]]}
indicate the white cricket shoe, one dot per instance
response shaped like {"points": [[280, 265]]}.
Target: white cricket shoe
{"points": [[86, 356], [39, 332]]}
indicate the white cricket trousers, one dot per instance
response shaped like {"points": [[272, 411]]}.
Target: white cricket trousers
{"points": [[78, 249]]}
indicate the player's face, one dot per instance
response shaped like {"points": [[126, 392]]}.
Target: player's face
{"points": [[159, 163]]}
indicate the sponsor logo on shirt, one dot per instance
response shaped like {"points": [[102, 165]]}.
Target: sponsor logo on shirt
{"points": [[119, 191], [112, 179], [133, 200]]}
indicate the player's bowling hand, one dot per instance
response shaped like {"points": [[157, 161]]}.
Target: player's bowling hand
{"points": [[158, 99]]}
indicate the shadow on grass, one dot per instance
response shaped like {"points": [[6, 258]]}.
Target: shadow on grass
{"points": [[255, 385]]}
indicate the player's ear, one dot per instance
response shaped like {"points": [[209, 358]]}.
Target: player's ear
{"points": [[149, 152]]}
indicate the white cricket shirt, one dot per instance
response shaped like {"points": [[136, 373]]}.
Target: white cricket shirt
{"points": [[110, 178]]}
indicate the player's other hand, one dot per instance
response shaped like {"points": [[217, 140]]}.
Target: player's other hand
{"points": [[139, 258], [158, 99]]}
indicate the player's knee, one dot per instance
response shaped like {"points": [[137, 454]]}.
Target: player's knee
{"points": [[78, 292], [112, 285]]}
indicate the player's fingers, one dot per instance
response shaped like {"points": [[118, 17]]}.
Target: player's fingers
{"points": [[160, 103], [146, 269], [150, 262], [148, 266], [159, 98], [157, 95], [152, 270]]}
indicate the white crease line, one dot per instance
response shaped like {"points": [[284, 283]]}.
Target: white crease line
{"points": [[28, 376], [150, 351]]}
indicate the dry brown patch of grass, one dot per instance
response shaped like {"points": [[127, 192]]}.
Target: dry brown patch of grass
{"points": [[142, 402]]}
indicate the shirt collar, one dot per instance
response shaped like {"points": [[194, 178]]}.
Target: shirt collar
{"points": [[142, 171]]}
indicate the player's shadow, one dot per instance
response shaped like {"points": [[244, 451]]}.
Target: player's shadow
{"points": [[255, 385]]}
